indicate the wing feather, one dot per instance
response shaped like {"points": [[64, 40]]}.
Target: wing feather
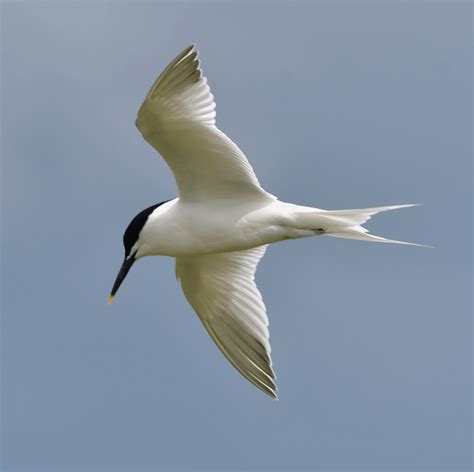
{"points": [[178, 119], [222, 290]]}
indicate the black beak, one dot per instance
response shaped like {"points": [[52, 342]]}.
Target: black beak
{"points": [[126, 266]]}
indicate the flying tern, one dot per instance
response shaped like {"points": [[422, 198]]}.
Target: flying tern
{"points": [[222, 221]]}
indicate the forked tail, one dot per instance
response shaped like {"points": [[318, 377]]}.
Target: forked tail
{"points": [[346, 223]]}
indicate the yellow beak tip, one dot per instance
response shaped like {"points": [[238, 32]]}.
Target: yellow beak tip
{"points": [[110, 299]]}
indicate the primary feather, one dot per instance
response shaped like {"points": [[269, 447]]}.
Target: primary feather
{"points": [[178, 119], [222, 291]]}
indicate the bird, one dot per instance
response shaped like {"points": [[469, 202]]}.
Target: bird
{"points": [[222, 221]]}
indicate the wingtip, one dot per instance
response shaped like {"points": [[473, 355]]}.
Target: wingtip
{"points": [[191, 50], [271, 393], [274, 392], [186, 52]]}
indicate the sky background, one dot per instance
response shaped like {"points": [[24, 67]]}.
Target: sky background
{"points": [[337, 105]]}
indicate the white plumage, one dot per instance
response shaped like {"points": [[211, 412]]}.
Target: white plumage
{"points": [[222, 291], [220, 225], [178, 119]]}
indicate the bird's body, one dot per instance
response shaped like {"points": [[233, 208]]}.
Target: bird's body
{"points": [[219, 226], [185, 229]]}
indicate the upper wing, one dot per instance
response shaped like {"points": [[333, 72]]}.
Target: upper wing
{"points": [[178, 119], [222, 291]]}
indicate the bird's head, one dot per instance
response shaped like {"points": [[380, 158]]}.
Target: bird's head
{"points": [[131, 243]]}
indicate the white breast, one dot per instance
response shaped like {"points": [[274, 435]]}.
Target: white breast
{"points": [[178, 229]]}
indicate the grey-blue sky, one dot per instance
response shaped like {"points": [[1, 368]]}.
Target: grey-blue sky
{"points": [[337, 105]]}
